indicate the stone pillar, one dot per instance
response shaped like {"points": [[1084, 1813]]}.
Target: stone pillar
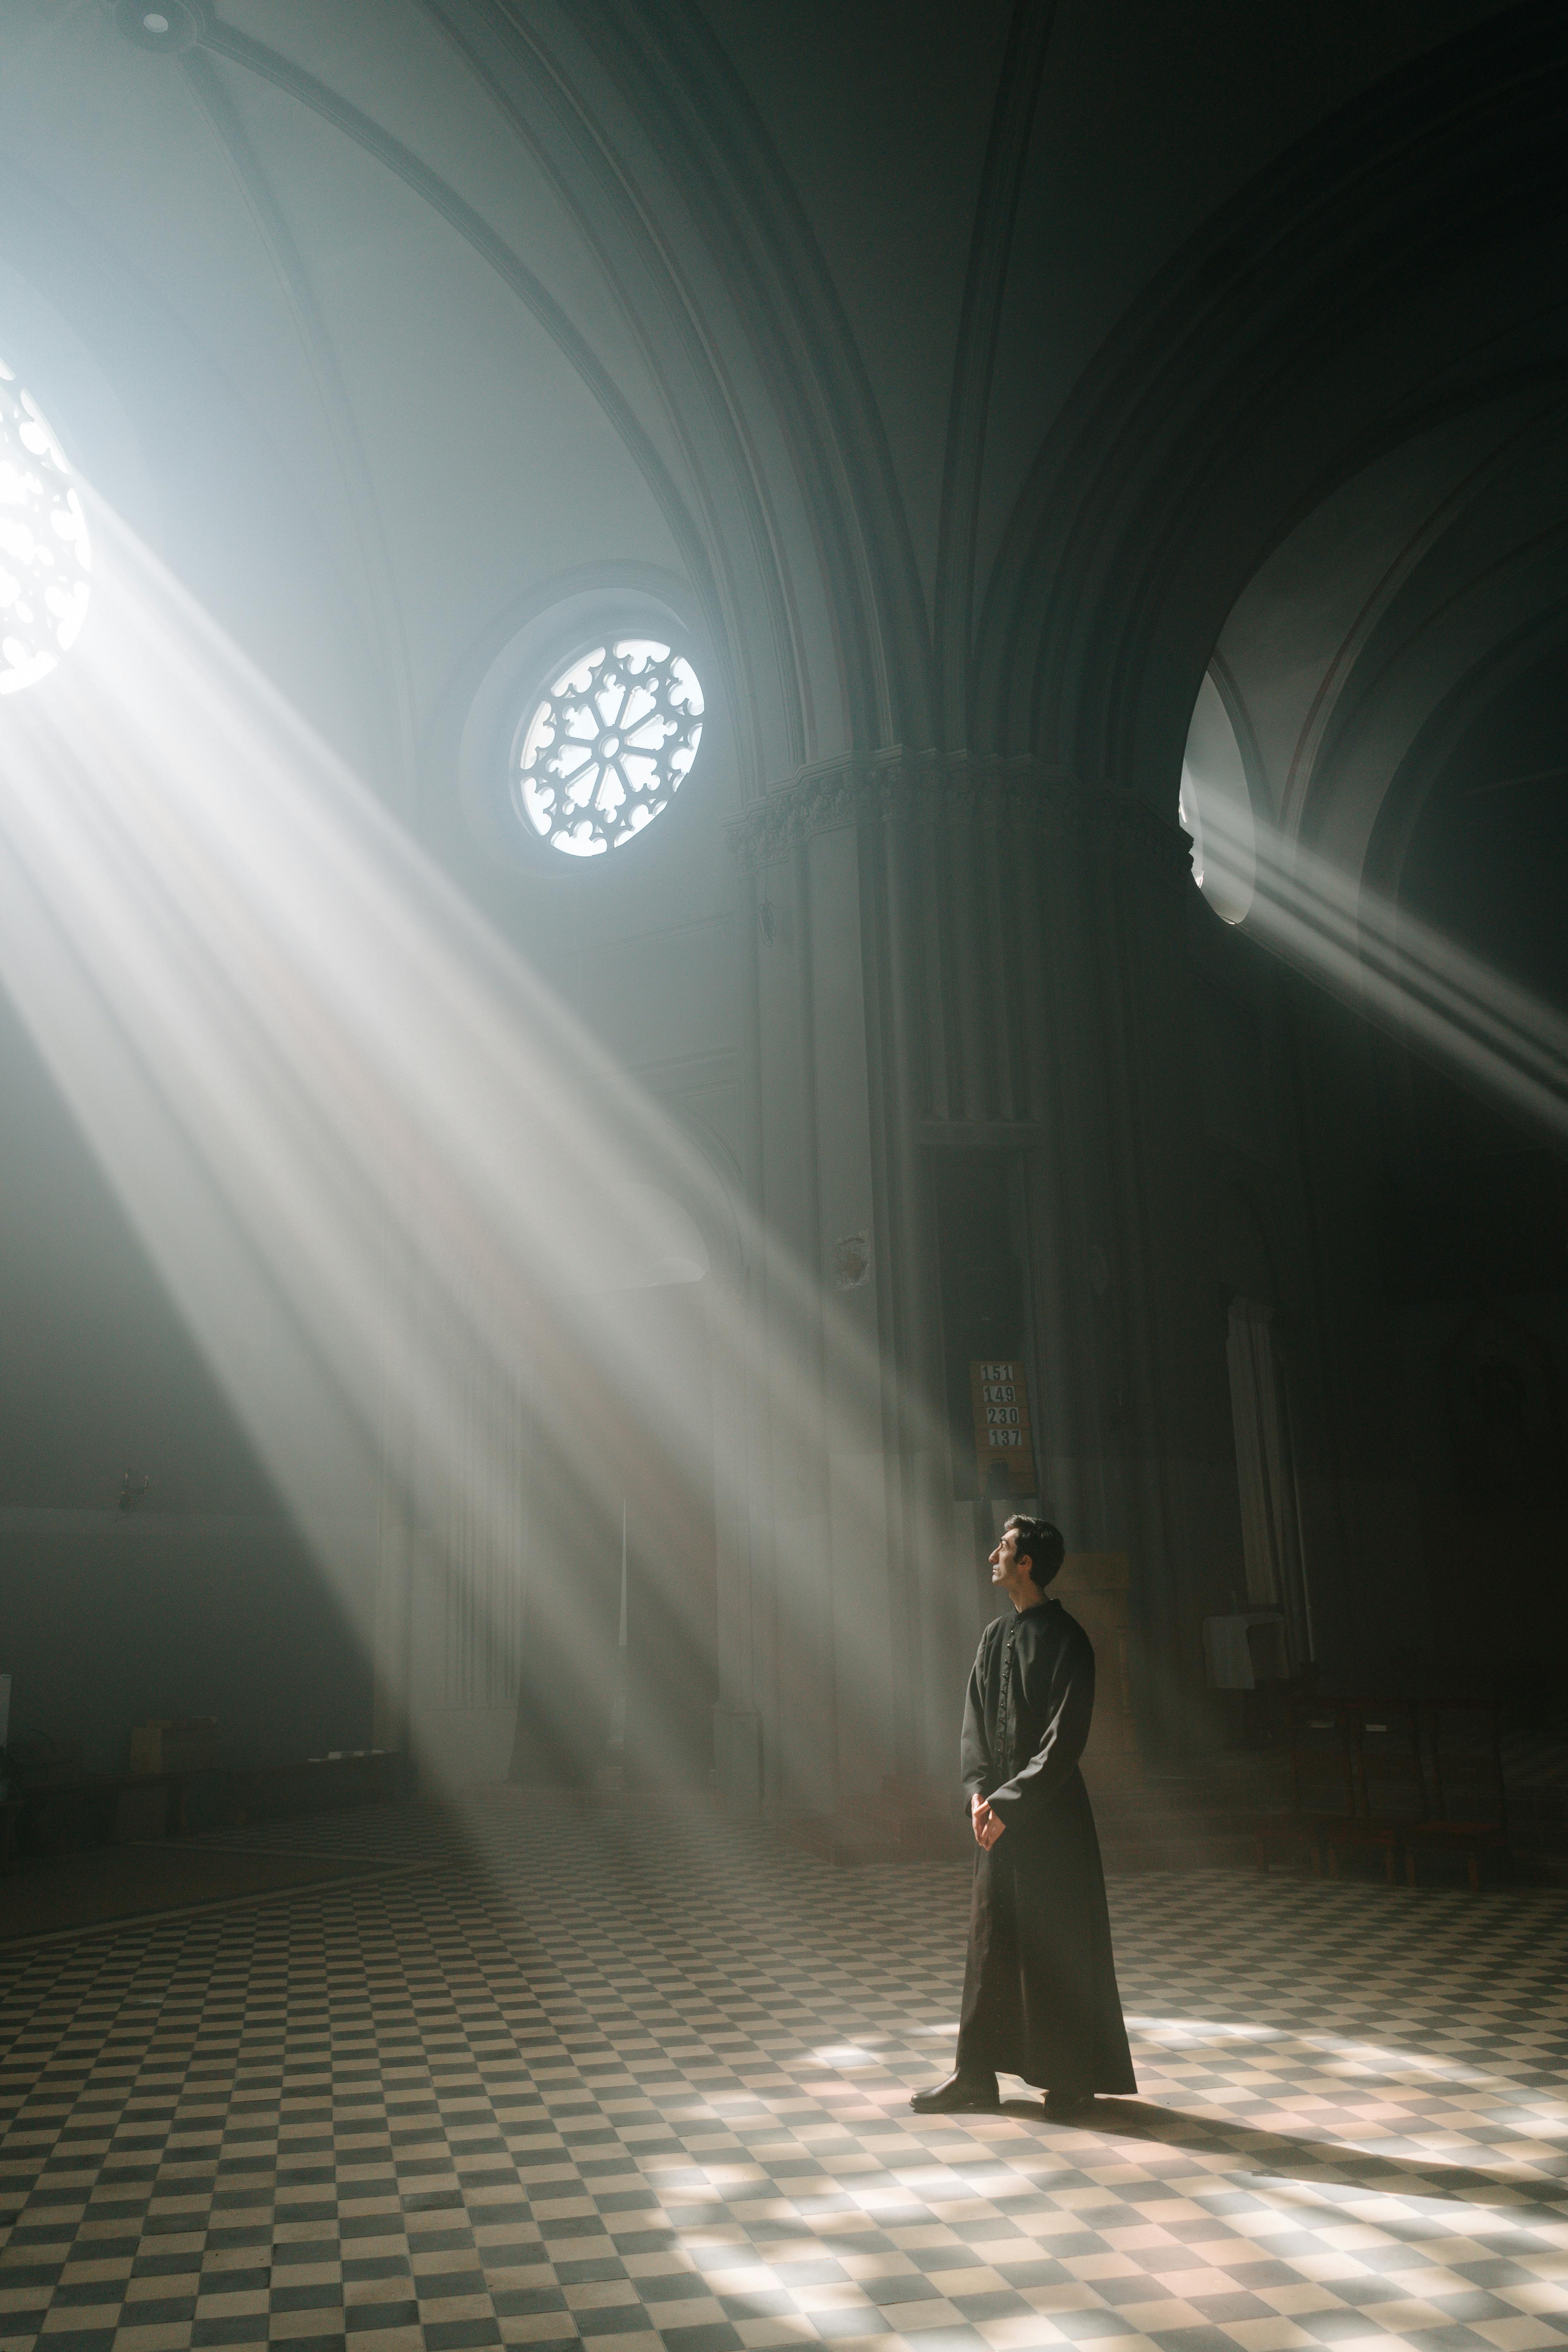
{"points": [[390, 1668], [979, 955], [737, 1722]]}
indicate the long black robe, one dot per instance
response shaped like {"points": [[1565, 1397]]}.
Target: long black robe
{"points": [[1039, 1991]]}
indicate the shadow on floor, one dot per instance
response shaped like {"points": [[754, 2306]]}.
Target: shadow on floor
{"points": [[50, 1894], [1280, 2156]]}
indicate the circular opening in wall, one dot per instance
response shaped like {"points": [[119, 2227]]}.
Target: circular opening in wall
{"points": [[1216, 807], [605, 749], [45, 561]]}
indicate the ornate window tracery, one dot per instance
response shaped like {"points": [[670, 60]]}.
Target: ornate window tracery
{"points": [[608, 747], [45, 561]]}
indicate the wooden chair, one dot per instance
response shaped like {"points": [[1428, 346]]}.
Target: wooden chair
{"points": [[1390, 1772], [1471, 1810], [1322, 1782]]}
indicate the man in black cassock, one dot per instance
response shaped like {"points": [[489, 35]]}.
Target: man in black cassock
{"points": [[1039, 1991]]}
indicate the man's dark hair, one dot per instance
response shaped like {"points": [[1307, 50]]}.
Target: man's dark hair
{"points": [[1042, 1545]]}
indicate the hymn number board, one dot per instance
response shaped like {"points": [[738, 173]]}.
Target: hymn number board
{"points": [[1000, 1392]]}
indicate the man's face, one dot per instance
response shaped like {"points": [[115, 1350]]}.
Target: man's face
{"points": [[1007, 1569]]}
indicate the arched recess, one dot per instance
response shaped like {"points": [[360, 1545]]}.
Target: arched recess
{"points": [[1383, 276], [1365, 650], [807, 569], [1366, 642], [664, 251], [1464, 867], [1482, 684], [692, 416], [737, 227]]}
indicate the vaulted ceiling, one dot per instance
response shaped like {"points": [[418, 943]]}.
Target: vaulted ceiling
{"points": [[1397, 611], [934, 356]]}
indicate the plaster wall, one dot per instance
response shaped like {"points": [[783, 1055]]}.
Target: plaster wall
{"points": [[109, 1620]]}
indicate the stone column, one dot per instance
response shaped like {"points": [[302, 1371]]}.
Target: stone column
{"points": [[737, 1721], [988, 956]]}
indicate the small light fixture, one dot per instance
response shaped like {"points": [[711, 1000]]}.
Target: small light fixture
{"points": [[176, 25]]}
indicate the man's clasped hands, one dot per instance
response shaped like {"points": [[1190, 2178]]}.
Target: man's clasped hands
{"points": [[988, 1826]]}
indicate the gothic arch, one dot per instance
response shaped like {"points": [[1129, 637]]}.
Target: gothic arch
{"points": [[1233, 395]]}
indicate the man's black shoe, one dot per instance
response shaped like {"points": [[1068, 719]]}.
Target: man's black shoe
{"points": [[959, 2091], [1064, 2107]]}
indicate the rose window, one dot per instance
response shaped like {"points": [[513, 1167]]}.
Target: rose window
{"points": [[609, 746], [44, 560]]}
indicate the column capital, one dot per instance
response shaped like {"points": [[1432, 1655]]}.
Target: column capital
{"points": [[897, 787]]}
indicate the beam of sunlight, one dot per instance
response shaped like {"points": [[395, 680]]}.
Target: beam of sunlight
{"points": [[399, 1197], [1186, 2033], [1535, 2115], [1456, 1010]]}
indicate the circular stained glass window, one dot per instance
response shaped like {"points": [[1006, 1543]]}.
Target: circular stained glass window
{"points": [[44, 560], [608, 747]]}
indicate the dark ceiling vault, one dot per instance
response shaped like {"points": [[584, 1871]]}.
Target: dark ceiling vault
{"points": [[1391, 269], [1309, 323]]}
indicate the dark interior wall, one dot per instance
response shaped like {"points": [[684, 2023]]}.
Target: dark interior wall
{"points": [[672, 1600], [1475, 1209], [1424, 1396], [1485, 1388], [1289, 1115], [96, 1373], [647, 1481], [109, 1620], [200, 1601], [983, 1261], [1415, 1229], [1470, 1293]]}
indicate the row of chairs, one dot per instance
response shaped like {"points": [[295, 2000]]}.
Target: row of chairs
{"points": [[1400, 1777]]}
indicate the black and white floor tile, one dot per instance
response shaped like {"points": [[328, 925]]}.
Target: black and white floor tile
{"points": [[587, 2074]]}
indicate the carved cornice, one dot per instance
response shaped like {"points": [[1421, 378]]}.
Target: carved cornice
{"points": [[898, 788]]}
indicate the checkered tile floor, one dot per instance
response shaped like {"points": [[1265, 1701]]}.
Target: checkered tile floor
{"points": [[636, 2076]]}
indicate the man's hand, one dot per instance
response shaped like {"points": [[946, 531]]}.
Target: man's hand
{"points": [[988, 1826]]}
